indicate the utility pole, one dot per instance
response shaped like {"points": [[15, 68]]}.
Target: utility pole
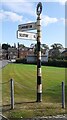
{"points": [[18, 49], [39, 82]]}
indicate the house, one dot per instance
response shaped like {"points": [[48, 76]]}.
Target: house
{"points": [[4, 54], [12, 53], [24, 52], [64, 54], [32, 58]]}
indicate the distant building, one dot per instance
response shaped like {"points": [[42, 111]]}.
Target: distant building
{"points": [[4, 54], [24, 52], [12, 53], [64, 54], [33, 58]]}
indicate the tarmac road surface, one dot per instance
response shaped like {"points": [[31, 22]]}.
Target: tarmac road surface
{"points": [[3, 63]]}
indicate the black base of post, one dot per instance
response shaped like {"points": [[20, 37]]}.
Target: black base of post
{"points": [[39, 97]]}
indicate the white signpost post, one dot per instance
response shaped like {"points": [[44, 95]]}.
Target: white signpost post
{"points": [[26, 35]]}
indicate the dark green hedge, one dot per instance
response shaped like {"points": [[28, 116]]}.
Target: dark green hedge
{"points": [[56, 63], [21, 60]]}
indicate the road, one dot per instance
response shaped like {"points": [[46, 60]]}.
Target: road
{"points": [[3, 63]]}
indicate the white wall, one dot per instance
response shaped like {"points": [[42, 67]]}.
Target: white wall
{"points": [[33, 58]]}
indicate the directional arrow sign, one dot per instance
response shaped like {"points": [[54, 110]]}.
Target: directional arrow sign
{"points": [[26, 35], [28, 26]]}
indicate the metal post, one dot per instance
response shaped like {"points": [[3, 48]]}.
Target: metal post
{"points": [[12, 93], [63, 95], [39, 83], [7, 54]]}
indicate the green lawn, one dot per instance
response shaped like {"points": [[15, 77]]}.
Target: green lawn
{"points": [[25, 79]]}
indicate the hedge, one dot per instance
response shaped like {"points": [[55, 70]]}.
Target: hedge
{"points": [[56, 63]]}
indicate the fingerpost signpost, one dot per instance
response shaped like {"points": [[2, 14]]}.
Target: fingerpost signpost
{"points": [[39, 83], [22, 34]]}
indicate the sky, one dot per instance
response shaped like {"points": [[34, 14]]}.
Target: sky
{"points": [[14, 13]]}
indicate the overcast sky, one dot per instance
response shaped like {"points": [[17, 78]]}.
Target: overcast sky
{"points": [[15, 12]]}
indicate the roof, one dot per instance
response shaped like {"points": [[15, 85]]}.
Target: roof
{"points": [[65, 51]]}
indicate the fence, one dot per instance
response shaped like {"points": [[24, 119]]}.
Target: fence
{"points": [[17, 92]]}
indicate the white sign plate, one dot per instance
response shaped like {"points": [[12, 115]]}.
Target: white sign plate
{"points": [[26, 35], [28, 26]]}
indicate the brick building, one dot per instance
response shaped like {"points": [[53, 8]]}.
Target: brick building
{"points": [[24, 52]]}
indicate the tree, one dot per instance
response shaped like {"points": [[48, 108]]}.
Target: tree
{"points": [[55, 52], [5, 46], [21, 46], [32, 45], [43, 47], [57, 46]]}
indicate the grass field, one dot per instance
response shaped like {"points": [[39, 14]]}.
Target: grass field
{"points": [[25, 80]]}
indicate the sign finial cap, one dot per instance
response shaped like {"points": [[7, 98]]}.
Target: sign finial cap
{"points": [[39, 8]]}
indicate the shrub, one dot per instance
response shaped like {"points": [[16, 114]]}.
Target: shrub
{"points": [[20, 60], [56, 63]]}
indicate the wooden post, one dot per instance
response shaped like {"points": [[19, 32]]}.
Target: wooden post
{"points": [[63, 95], [12, 93]]}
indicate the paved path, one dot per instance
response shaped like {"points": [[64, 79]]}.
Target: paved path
{"points": [[58, 117], [40, 118], [3, 117], [3, 63]]}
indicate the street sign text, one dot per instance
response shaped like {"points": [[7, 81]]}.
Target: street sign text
{"points": [[28, 26], [26, 35]]}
